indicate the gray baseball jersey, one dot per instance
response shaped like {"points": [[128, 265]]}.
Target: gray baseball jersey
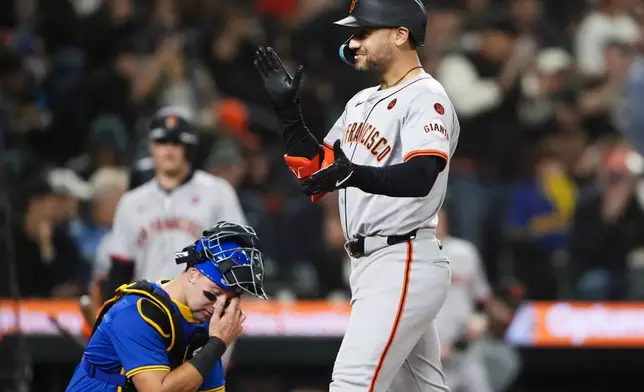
{"points": [[151, 223], [391, 343], [102, 261], [387, 127]]}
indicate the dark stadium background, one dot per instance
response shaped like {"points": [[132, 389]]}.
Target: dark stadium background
{"points": [[543, 184]]}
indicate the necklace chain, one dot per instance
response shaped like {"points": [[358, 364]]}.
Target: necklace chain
{"points": [[399, 80]]}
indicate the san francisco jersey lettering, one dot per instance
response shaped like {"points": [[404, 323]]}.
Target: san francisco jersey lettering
{"points": [[151, 223], [369, 137]]}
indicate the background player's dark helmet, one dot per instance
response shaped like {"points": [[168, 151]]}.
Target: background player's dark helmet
{"points": [[227, 254], [384, 13], [170, 124]]}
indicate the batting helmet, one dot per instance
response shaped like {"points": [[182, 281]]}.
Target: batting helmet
{"points": [[384, 13], [169, 124], [227, 254]]}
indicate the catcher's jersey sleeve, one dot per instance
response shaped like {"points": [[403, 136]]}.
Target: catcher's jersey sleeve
{"points": [[122, 242], [427, 127], [214, 381]]}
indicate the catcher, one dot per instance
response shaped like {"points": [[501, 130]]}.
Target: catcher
{"points": [[171, 335]]}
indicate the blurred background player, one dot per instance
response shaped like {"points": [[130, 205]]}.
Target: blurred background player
{"points": [[171, 209], [463, 320]]}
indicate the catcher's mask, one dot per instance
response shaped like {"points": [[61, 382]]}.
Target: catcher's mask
{"points": [[227, 255]]}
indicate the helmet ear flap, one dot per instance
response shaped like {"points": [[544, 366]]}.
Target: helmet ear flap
{"points": [[347, 55]]}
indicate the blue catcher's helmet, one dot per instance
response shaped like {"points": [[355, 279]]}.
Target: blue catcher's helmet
{"points": [[227, 254]]}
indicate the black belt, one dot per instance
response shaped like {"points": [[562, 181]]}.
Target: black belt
{"points": [[355, 248]]}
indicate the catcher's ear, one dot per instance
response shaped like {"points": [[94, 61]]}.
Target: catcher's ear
{"points": [[192, 274]]}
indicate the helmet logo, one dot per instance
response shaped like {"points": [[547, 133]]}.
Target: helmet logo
{"points": [[171, 121], [353, 5]]}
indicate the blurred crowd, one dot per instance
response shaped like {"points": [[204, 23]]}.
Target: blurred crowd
{"points": [[543, 183]]}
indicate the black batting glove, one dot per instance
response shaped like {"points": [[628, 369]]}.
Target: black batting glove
{"points": [[336, 176], [281, 87]]}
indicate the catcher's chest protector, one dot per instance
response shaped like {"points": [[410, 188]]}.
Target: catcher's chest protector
{"points": [[157, 310]]}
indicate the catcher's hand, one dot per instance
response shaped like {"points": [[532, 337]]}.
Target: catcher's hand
{"points": [[281, 87], [330, 178]]}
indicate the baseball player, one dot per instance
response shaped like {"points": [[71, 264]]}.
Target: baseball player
{"points": [[388, 156], [170, 335], [155, 218], [459, 325]]}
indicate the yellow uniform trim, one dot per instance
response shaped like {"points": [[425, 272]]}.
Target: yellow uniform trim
{"points": [[157, 302], [183, 308], [185, 312], [218, 389], [120, 388], [149, 320], [150, 368]]}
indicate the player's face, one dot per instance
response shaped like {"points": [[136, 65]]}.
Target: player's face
{"points": [[202, 297], [169, 157], [374, 49]]}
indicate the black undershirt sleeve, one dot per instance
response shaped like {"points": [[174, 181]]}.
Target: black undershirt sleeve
{"points": [[298, 140], [414, 178]]}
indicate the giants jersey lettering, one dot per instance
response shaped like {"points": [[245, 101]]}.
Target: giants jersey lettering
{"points": [[388, 127], [151, 224]]}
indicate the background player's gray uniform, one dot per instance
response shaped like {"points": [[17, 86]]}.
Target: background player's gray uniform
{"points": [[464, 370], [152, 223], [391, 342]]}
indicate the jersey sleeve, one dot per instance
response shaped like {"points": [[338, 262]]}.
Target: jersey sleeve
{"points": [[214, 381], [102, 263], [230, 208], [139, 347], [122, 242], [336, 131], [480, 286], [428, 127]]}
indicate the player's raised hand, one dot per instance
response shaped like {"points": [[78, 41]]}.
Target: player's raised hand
{"points": [[226, 322], [336, 176], [282, 88]]}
